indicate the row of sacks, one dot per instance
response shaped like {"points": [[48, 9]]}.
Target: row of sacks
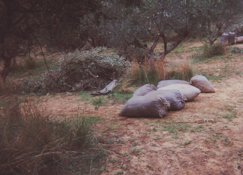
{"points": [[169, 95]]}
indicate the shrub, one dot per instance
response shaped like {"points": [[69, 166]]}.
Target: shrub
{"points": [[81, 70], [213, 50], [33, 144], [149, 72]]}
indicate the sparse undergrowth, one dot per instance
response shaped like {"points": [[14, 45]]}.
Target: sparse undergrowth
{"points": [[230, 114], [213, 50], [97, 102], [33, 144], [85, 96], [216, 51], [175, 129], [120, 97]]}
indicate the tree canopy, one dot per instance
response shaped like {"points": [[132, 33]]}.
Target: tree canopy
{"points": [[70, 24]]}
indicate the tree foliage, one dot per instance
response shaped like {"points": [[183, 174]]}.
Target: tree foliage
{"points": [[123, 24], [215, 17], [29, 22]]}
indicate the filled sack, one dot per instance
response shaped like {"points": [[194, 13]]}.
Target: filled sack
{"points": [[145, 89], [202, 83], [148, 106], [188, 92], [173, 96], [164, 83]]}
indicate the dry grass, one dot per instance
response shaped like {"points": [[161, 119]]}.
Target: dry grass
{"points": [[181, 72], [149, 72], [156, 71], [33, 144]]}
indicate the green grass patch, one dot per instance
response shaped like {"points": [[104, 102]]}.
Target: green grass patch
{"points": [[176, 128], [97, 102], [120, 97], [172, 128], [85, 96]]}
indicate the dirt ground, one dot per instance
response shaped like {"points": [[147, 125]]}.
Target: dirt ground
{"points": [[205, 138]]}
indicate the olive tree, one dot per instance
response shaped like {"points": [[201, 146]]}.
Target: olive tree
{"points": [[168, 21]]}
